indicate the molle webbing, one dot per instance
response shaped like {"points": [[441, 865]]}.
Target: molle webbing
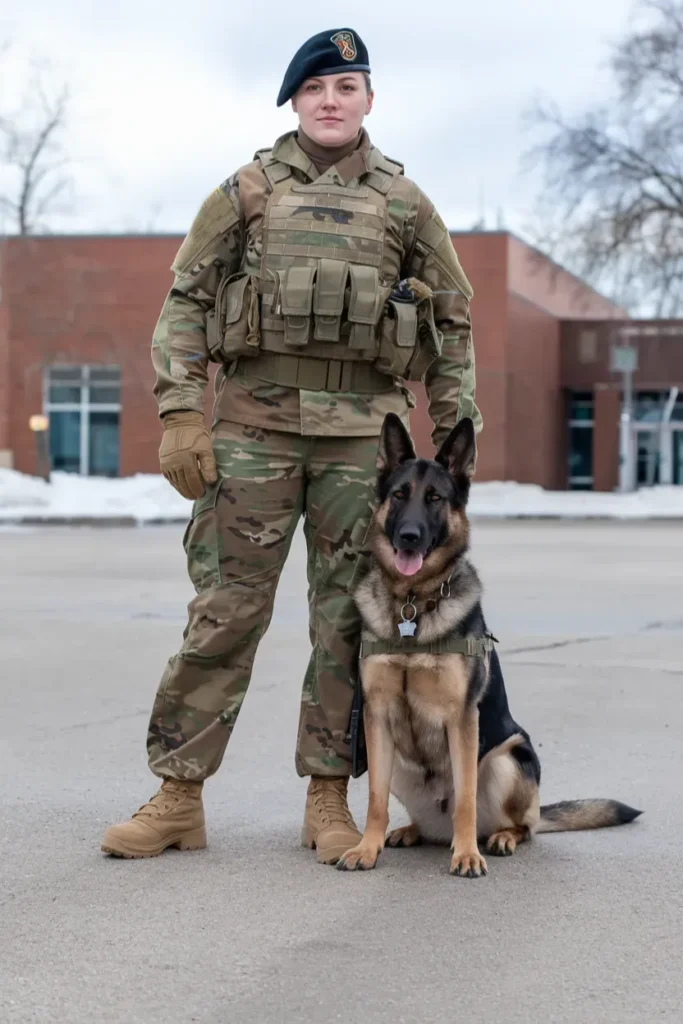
{"points": [[323, 264], [472, 646], [311, 374]]}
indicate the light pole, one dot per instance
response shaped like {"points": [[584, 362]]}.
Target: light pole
{"points": [[624, 360], [39, 425]]}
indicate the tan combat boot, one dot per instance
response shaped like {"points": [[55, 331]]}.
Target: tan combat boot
{"points": [[328, 825], [173, 817]]}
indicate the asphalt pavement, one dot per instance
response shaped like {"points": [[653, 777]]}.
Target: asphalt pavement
{"points": [[581, 927]]}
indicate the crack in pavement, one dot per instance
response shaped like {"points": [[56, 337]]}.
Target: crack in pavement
{"points": [[41, 733], [104, 721], [96, 721], [610, 667], [557, 643], [572, 641]]}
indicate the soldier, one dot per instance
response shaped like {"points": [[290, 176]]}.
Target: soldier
{"points": [[293, 279]]}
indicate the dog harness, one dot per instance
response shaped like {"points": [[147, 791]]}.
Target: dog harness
{"points": [[471, 646], [452, 643]]}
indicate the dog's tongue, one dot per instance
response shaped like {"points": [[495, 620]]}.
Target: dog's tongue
{"points": [[408, 562]]}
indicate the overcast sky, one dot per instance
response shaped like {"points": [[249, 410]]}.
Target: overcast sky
{"points": [[169, 98]]}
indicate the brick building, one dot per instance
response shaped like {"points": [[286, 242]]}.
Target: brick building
{"points": [[77, 315], [593, 397]]}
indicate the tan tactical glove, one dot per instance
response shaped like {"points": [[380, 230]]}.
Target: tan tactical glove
{"points": [[186, 454]]}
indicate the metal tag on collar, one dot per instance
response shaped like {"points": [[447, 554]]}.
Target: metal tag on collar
{"points": [[446, 587], [407, 627]]}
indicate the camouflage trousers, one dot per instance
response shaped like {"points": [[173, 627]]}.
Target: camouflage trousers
{"points": [[236, 545]]}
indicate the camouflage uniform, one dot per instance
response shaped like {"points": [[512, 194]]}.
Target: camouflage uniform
{"points": [[282, 451]]}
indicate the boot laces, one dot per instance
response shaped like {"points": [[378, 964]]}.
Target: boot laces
{"points": [[165, 799], [331, 800]]}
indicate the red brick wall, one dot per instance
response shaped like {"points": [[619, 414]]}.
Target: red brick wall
{"points": [[96, 300], [87, 300], [606, 411], [586, 353], [484, 260], [5, 368], [541, 295], [536, 414]]}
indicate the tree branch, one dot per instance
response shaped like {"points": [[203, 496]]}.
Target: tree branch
{"points": [[30, 145], [611, 205]]}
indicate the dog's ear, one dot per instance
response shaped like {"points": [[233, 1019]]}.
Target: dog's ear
{"points": [[395, 446], [458, 453]]}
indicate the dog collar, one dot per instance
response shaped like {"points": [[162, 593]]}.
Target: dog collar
{"points": [[408, 623], [452, 643]]}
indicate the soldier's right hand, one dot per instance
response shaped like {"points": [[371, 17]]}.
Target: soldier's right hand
{"points": [[186, 453]]}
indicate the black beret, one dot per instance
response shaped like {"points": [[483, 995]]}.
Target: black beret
{"points": [[327, 53]]}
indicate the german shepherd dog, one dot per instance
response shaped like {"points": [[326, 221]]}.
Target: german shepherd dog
{"points": [[438, 729]]}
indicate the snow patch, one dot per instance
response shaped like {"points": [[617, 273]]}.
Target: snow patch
{"points": [[143, 497], [146, 497]]}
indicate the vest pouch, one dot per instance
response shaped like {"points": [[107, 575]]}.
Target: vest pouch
{"points": [[429, 341], [296, 303], [398, 337], [409, 339], [328, 299], [364, 307], [214, 324], [232, 326]]}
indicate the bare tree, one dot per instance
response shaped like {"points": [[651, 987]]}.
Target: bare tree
{"points": [[32, 155], [611, 206]]}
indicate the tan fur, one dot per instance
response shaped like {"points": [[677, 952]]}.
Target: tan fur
{"points": [[417, 706], [417, 711], [407, 835], [585, 814], [505, 842], [498, 776], [410, 701], [419, 289], [422, 710], [463, 744]]}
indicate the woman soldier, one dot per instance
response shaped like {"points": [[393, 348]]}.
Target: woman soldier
{"points": [[293, 279]]}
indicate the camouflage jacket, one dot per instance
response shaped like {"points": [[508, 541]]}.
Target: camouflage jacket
{"points": [[213, 247]]}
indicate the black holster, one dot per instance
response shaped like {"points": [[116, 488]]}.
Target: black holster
{"points": [[359, 758]]}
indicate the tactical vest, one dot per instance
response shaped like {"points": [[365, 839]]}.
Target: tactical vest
{"points": [[319, 312]]}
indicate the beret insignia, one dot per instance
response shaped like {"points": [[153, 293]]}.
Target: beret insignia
{"points": [[346, 44]]}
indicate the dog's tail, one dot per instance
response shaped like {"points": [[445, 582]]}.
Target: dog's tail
{"points": [[573, 815]]}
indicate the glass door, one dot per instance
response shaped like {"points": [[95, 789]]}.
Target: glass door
{"points": [[65, 441], [103, 455], [677, 444], [647, 440]]}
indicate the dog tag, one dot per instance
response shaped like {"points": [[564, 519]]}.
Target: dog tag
{"points": [[406, 628]]}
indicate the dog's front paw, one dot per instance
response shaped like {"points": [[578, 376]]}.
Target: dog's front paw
{"points": [[360, 858], [468, 865]]}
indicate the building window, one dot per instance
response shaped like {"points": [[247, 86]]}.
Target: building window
{"points": [[581, 441], [658, 437], [83, 404], [588, 346], [647, 457]]}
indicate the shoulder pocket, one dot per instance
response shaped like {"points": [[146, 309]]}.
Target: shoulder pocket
{"points": [[217, 216]]}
